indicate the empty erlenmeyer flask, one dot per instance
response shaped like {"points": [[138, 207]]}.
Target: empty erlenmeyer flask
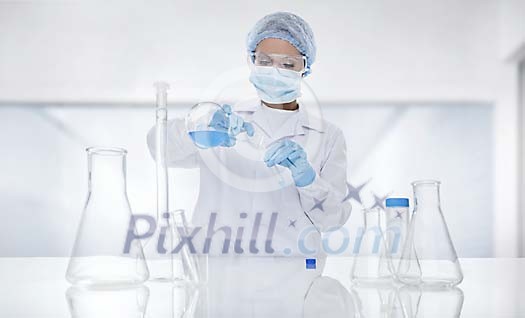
{"points": [[366, 266], [429, 256], [102, 255]]}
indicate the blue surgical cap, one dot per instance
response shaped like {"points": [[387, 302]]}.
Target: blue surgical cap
{"points": [[285, 26]]}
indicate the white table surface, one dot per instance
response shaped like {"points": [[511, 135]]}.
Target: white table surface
{"points": [[36, 287]]}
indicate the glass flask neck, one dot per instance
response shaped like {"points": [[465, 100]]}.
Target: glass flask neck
{"points": [[426, 194], [107, 170]]}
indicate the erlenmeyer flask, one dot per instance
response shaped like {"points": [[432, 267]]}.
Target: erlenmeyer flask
{"points": [[102, 255], [429, 256], [366, 266]]}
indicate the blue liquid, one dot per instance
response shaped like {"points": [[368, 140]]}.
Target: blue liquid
{"points": [[209, 138]]}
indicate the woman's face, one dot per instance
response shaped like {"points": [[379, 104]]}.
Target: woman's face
{"points": [[280, 54], [277, 46]]}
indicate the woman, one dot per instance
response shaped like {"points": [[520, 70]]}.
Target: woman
{"points": [[232, 206]]}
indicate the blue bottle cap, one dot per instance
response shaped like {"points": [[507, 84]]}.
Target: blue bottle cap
{"points": [[396, 202], [311, 263]]}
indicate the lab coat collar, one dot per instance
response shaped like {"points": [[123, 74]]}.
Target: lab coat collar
{"points": [[304, 120]]}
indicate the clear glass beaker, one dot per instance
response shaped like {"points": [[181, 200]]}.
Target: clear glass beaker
{"points": [[372, 253], [428, 257], [102, 254], [207, 125]]}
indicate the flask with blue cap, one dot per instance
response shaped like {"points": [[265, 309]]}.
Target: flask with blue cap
{"points": [[396, 222]]}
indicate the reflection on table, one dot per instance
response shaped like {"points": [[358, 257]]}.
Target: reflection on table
{"points": [[262, 287]]}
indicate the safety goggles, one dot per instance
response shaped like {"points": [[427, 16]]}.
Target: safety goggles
{"points": [[295, 63]]}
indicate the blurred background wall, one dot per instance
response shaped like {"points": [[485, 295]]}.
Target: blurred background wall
{"points": [[421, 89]]}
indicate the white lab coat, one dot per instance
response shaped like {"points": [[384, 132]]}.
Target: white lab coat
{"points": [[236, 185]]}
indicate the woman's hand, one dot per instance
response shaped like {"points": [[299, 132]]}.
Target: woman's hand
{"points": [[291, 155], [233, 124]]}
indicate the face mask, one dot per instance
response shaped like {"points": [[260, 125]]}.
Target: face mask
{"points": [[276, 86]]}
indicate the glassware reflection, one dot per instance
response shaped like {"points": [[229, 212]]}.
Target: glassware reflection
{"points": [[159, 300], [177, 300], [374, 301], [266, 287], [407, 301], [128, 302], [428, 301], [326, 297]]}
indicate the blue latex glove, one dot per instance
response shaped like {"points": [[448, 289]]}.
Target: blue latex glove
{"points": [[225, 119], [291, 155]]}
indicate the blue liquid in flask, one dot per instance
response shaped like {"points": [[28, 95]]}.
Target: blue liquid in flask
{"points": [[209, 138]]}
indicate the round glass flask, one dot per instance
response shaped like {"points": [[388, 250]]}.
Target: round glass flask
{"points": [[207, 125]]}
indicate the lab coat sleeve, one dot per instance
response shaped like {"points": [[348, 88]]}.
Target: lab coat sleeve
{"points": [[181, 152], [329, 188]]}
